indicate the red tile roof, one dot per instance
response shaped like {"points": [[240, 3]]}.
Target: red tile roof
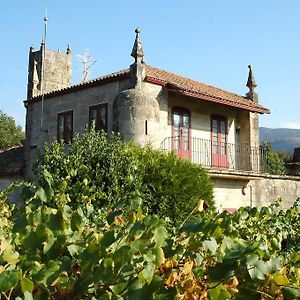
{"points": [[172, 82], [199, 90]]}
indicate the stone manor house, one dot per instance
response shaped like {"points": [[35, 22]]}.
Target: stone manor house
{"points": [[200, 122]]}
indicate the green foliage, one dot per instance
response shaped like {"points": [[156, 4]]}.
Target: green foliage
{"points": [[285, 156], [101, 170], [60, 253], [272, 161], [10, 133], [166, 179]]}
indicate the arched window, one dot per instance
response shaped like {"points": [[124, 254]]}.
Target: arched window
{"points": [[181, 131]]}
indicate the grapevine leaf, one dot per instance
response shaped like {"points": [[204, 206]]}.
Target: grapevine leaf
{"points": [[26, 285], [73, 249], [12, 257], [257, 268], [160, 234], [76, 221], [147, 273], [8, 280], [273, 265], [151, 220], [291, 293], [280, 279], [108, 239], [159, 256], [219, 293], [210, 245], [41, 194], [223, 270], [28, 296], [48, 274]]}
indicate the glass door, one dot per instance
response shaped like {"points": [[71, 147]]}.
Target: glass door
{"points": [[219, 142], [181, 132]]}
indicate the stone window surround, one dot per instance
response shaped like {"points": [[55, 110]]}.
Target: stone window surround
{"points": [[99, 107], [67, 137]]}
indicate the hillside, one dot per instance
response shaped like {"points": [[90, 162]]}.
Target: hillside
{"points": [[283, 139]]}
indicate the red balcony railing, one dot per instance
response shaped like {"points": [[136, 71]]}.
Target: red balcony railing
{"points": [[241, 157]]}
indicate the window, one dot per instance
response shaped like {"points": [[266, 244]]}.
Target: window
{"points": [[98, 114], [65, 126], [181, 131], [219, 141]]}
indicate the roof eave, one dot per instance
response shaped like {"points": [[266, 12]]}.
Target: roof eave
{"points": [[79, 87]]}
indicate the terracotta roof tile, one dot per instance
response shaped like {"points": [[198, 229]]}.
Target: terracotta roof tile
{"points": [[201, 90]]}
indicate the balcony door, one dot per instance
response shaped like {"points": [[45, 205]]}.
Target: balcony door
{"points": [[219, 142], [181, 132]]}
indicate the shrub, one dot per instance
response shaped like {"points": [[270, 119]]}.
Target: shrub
{"points": [[172, 187], [101, 170]]}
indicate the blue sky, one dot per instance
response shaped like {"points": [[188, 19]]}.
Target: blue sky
{"points": [[210, 41]]}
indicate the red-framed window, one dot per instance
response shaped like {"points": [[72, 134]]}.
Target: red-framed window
{"points": [[181, 131], [65, 126], [98, 114], [219, 142]]}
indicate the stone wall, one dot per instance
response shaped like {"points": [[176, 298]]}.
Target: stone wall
{"points": [[5, 181], [233, 190], [269, 188]]}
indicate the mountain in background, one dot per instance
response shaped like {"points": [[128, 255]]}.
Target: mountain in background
{"points": [[283, 139]]}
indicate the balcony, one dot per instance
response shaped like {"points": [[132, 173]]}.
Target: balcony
{"points": [[226, 156]]}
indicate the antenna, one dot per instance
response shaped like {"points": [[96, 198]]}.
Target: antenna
{"points": [[86, 62], [43, 68]]}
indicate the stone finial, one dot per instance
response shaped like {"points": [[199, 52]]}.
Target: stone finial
{"points": [[251, 84], [137, 69], [69, 50], [42, 44], [31, 49], [35, 77], [137, 50]]}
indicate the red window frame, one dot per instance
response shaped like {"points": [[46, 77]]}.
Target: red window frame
{"points": [[179, 142], [219, 158], [98, 108], [65, 134]]}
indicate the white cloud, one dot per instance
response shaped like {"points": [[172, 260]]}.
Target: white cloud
{"points": [[292, 125]]}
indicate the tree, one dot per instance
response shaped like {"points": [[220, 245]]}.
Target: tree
{"points": [[10, 133], [272, 161]]}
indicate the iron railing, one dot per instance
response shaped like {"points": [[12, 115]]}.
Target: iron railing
{"points": [[242, 157]]}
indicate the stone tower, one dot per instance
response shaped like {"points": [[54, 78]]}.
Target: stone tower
{"points": [[135, 110], [57, 70]]}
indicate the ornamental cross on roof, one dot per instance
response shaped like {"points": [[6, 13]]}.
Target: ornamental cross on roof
{"points": [[137, 50]]}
